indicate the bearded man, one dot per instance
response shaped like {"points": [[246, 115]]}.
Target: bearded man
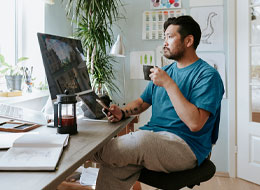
{"points": [[185, 97]]}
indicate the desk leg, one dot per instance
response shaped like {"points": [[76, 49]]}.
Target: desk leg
{"points": [[129, 128]]}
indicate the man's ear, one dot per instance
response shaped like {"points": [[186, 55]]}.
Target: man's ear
{"points": [[189, 40]]}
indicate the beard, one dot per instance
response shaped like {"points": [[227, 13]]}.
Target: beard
{"points": [[177, 55]]}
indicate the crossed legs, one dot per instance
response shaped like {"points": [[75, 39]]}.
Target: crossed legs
{"points": [[123, 158]]}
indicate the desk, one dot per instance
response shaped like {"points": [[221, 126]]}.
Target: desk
{"points": [[92, 135]]}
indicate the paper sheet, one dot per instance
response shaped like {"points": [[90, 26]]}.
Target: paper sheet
{"points": [[165, 4], [7, 139], [211, 23], [153, 22], [199, 3], [89, 176], [137, 60]]}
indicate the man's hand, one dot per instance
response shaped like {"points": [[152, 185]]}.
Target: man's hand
{"points": [[114, 114], [160, 77]]}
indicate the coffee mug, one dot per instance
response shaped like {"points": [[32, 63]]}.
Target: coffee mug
{"points": [[147, 72]]}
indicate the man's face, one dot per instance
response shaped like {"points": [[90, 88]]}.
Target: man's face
{"points": [[174, 47]]}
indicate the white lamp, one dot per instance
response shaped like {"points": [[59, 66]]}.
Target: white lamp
{"points": [[50, 2], [118, 50]]}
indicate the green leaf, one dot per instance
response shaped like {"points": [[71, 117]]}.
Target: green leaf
{"points": [[6, 64], [22, 59], [4, 70], [8, 69], [2, 58]]}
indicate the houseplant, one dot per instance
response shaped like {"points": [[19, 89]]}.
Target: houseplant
{"points": [[94, 21], [13, 73]]}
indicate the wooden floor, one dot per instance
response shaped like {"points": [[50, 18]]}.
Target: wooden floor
{"points": [[219, 183]]}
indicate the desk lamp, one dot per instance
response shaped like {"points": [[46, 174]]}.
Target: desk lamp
{"points": [[50, 2], [118, 50]]}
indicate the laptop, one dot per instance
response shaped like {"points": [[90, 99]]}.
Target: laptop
{"points": [[22, 114]]}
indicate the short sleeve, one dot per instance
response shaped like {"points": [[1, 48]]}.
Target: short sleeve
{"points": [[207, 92], [148, 93]]}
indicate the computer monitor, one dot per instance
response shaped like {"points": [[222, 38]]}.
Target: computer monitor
{"points": [[63, 59], [66, 69]]}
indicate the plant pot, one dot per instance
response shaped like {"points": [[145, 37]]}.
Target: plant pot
{"points": [[13, 82]]}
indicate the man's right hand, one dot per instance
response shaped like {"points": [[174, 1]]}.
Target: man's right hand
{"points": [[114, 114]]}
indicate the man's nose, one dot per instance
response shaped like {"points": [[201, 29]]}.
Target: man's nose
{"points": [[165, 43]]}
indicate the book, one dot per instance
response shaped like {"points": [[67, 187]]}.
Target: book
{"points": [[7, 139], [34, 152]]}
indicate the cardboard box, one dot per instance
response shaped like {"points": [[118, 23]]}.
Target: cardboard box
{"points": [[11, 94]]}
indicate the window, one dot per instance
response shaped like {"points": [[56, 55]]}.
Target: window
{"points": [[20, 21]]}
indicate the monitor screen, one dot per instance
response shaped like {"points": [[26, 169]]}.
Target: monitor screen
{"points": [[64, 64]]}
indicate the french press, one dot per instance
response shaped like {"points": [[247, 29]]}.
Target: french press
{"points": [[65, 114]]}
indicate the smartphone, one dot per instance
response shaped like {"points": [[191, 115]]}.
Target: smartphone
{"points": [[105, 110]]}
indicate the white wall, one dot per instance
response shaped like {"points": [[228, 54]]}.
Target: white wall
{"points": [[56, 22]]}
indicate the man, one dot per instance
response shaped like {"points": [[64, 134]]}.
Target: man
{"points": [[185, 98]]}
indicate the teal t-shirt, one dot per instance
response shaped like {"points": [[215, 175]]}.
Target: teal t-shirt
{"points": [[200, 84]]}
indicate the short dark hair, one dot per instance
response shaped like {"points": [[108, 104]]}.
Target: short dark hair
{"points": [[188, 26]]}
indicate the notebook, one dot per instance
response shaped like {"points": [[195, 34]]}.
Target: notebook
{"points": [[22, 114], [34, 152], [7, 139]]}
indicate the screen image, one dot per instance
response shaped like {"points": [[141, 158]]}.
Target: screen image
{"points": [[64, 64]]}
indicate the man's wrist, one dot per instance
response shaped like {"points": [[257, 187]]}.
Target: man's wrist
{"points": [[169, 83], [123, 114]]}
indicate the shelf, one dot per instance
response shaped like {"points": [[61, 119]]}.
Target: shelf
{"points": [[25, 97]]}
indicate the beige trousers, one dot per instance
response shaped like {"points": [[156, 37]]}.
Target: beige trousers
{"points": [[122, 158]]}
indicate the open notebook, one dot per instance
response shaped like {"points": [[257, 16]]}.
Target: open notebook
{"points": [[34, 152]]}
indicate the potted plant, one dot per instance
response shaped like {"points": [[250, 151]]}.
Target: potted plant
{"points": [[94, 21], [13, 73]]}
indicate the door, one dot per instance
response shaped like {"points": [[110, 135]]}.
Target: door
{"points": [[248, 90]]}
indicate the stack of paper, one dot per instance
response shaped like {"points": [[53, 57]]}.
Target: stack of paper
{"points": [[34, 152], [89, 176]]}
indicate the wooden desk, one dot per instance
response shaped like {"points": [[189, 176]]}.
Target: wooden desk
{"points": [[92, 135]]}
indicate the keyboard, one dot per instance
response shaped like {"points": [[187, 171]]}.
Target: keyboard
{"points": [[11, 111]]}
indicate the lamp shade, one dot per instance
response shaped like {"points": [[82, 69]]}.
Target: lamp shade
{"points": [[118, 49], [51, 2]]}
